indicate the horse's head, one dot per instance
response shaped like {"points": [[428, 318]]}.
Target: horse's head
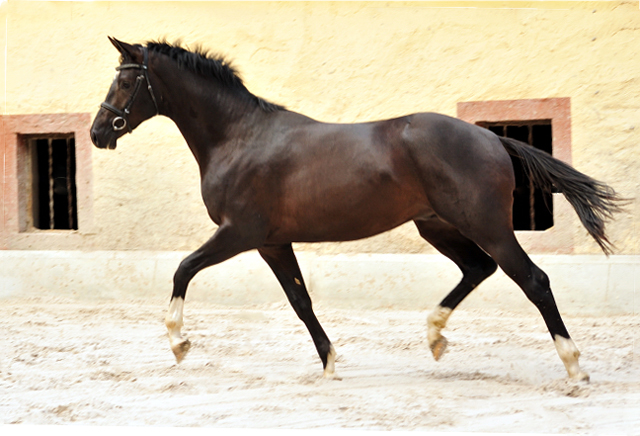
{"points": [[130, 100]]}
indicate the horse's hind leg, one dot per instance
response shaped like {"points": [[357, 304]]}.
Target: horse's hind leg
{"points": [[474, 263], [283, 263], [506, 251]]}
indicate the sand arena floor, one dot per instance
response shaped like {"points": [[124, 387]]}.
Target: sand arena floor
{"points": [[99, 364]]}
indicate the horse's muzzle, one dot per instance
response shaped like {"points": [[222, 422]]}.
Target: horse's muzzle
{"points": [[108, 140], [102, 133]]}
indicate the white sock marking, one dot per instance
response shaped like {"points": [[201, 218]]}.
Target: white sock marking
{"points": [[436, 321], [330, 369], [569, 354], [174, 321]]}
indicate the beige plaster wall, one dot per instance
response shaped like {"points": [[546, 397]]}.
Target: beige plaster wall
{"points": [[334, 61]]}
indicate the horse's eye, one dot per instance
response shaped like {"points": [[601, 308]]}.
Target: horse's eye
{"points": [[126, 85]]}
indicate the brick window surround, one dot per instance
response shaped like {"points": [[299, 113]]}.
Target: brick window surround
{"points": [[16, 233], [559, 238]]}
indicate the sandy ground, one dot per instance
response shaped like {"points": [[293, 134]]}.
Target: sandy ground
{"points": [[97, 363]]}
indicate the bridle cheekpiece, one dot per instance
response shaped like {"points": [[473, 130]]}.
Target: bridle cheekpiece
{"points": [[121, 121]]}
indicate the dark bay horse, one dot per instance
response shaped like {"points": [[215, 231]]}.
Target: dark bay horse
{"points": [[270, 177]]}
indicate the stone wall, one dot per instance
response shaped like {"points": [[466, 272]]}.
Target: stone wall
{"points": [[334, 61]]}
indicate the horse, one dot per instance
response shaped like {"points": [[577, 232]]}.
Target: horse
{"points": [[271, 177]]}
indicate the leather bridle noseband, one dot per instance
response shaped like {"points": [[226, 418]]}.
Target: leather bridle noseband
{"points": [[121, 121]]}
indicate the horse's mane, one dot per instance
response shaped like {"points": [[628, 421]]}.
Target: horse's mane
{"points": [[202, 62]]}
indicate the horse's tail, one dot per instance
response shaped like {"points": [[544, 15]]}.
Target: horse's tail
{"points": [[594, 201]]}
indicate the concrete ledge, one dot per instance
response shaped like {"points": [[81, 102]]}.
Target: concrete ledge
{"points": [[582, 284]]}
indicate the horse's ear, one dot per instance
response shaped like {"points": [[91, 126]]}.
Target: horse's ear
{"points": [[126, 50]]}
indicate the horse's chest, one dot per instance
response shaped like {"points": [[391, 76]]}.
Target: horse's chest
{"points": [[235, 190]]}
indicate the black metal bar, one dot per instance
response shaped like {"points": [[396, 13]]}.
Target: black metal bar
{"points": [[532, 189], [69, 185], [50, 172]]}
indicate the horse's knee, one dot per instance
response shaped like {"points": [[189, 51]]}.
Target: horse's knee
{"points": [[183, 274], [181, 271]]}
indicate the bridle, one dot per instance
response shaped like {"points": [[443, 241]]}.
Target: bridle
{"points": [[121, 121]]}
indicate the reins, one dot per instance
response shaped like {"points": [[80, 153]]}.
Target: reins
{"points": [[121, 121]]}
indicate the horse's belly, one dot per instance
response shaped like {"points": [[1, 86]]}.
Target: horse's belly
{"points": [[346, 216]]}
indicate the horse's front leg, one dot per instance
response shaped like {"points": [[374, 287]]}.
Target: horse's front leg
{"points": [[283, 263], [224, 244], [174, 322]]}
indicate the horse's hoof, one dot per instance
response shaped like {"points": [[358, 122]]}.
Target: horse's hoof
{"points": [[330, 367], [438, 347], [181, 349], [331, 376], [581, 376]]}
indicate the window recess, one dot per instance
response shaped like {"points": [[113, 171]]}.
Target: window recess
{"points": [[52, 194], [532, 208]]}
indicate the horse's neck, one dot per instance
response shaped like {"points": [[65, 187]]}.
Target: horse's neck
{"points": [[207, 117]]}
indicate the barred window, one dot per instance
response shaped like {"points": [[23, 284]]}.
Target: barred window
{"points": [[53, 198], [532, 208]]}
